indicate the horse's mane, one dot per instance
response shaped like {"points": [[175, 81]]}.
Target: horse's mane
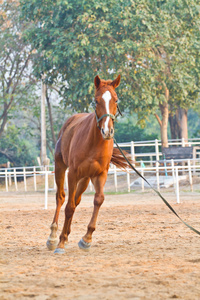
{"points": [[118, 160]]}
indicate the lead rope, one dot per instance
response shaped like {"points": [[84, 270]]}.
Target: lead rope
{"points": [[157, 192]]}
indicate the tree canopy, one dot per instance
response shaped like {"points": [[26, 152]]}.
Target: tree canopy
{"points": [[153, 44], [14, 58]]}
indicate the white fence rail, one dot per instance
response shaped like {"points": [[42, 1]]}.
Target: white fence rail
{"points": [[169, 168], [157, 145], [154, 167]]}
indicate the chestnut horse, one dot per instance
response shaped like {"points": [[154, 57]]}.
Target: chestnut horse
{"points": [[85, 147]]}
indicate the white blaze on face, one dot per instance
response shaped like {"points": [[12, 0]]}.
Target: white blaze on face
{"points": [[107, 97]]}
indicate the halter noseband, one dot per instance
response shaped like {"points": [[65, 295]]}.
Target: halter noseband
{"points": [[107, 115]]}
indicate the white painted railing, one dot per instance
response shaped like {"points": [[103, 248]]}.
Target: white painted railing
{"points": [[152, 167], [23, 173], [157, 146], [146, 168]]}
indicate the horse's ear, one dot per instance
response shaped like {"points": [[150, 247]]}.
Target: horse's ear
{"points": [[97, 81], [115, 83]]}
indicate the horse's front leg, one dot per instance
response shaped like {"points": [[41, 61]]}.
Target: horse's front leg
{"points": [[69, 211], [98, 182], [60, 199], [82, 186]]}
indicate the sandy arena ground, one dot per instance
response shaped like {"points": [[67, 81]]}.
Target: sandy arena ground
{"points": [[140, 249]]}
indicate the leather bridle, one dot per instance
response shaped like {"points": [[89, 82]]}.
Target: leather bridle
{"points": [[113, 117]]}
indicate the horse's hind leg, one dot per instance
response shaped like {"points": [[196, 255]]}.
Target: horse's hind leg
{"points": [[98, 183], [82, 186], [60, 199]]}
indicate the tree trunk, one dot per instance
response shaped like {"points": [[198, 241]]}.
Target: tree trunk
{"points": [[50, 119], [183, 124], [43, 126], [163, 126], [163, 123], [165, 117], [4, 118], [174, 125]]}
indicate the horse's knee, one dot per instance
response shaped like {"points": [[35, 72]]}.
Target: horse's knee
{"points": [[60, 197], [69, 211], [98, 199]]}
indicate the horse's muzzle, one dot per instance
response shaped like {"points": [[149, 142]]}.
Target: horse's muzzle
{"points": [[107, 135]]}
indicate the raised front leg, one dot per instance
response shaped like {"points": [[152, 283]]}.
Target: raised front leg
{"points": [[60, 199], [98, 183]]}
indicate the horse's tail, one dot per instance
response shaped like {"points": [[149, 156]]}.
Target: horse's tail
{"points": [[118, 160]]}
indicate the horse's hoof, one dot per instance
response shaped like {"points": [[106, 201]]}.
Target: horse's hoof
{"points": [[84, 245], [59, 251], [51, 244]]}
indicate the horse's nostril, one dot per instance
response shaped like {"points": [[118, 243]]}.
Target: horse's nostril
{"points": [[107, 133]]}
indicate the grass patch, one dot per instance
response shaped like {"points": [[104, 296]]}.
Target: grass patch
{"points": [[119, 193], [113, 193]]}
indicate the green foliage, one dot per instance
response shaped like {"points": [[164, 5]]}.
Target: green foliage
{"points": [[194, 123], [126, 131], [152, 44], [27, 121], [14, 58], [14, 148]]}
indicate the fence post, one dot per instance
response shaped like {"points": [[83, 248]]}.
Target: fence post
{"points": [[34, 179], [90, 184], [54, 182], [46, 189], [151, 160], [6, 180], [183, 142], [157, 175], [177, 186], [173, 173], [9, 175], [115, 177], [194, 163], [15, 179], [24, 172], [133, 152], [9, 179], [190, 175], [157, 149]]}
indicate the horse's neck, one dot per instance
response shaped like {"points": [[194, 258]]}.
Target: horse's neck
{"points": [[95, 131]]}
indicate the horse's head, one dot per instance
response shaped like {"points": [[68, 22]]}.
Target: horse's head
{"points": [[106, 105]]}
